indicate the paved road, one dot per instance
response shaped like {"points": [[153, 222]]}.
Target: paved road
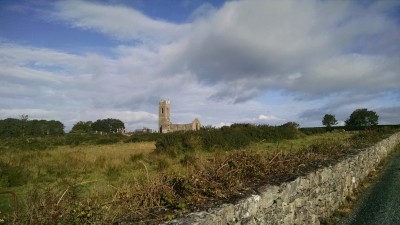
{"points": [[380, 204]]}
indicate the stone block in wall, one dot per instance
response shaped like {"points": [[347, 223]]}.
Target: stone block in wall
{"points": [[250, 221], [247, 207], [314, 179], [286, 208], [300, 202], [289, 191], [197, 218], [300, 216], [325, 175], [314, 220], [303, 183], [288, 219], [269, 194], [226, 212]]}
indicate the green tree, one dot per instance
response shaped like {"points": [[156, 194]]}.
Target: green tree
{"points": [[108, 125], [31, 128], [291, 124], [329, 120], [23, 123], [11, 127], [82, 127], [362, 118], [54, 127], [39, 128]]}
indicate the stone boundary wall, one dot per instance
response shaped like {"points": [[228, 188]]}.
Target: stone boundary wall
{"points": [[306, 200]]}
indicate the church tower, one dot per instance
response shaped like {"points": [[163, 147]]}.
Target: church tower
{"points": [[164, 116]]}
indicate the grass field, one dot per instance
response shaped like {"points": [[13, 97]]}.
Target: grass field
{"points": [[104, 183]]}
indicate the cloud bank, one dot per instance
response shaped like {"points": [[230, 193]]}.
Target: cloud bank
{"points": [[249, 61]]}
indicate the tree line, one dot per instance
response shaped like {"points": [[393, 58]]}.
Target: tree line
{"points": [[33, 128], [104, 125], [11, 127], [23, 127], [359, 119]]}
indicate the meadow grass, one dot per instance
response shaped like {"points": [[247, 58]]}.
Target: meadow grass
{"points": [[294, 145], [94, 183]]}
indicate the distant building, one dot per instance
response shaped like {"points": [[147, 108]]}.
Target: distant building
{"points": [[164, 120], [143, 130]]}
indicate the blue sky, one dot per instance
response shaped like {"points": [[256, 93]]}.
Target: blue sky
{"points": [[225, 62]]}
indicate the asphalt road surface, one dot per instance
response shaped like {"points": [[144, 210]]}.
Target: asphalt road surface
{"points": [[380, 204]]}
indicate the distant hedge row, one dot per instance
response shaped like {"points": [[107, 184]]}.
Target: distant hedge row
{"points": [[226, 138]]}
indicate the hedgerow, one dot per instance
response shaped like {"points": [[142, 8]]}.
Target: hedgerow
{"points": [[236, 136]]}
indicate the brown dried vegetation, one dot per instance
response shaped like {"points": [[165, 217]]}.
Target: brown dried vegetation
{"points": [[166, 188]]}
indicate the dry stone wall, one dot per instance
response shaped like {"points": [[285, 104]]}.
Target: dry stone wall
{"points": [[306, 200]]}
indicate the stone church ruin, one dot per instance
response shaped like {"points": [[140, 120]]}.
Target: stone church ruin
{"points": [[164, 120]]}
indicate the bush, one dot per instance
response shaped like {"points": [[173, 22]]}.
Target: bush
{"points": [[313, 130], [75, 139], [107, 140], [12, 176], [227, 138], [366, 138], [162, 164], [171, 143], [33, 143], [142, 137]]}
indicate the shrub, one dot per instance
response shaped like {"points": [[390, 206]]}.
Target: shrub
{"points": [[12, 176], [162, 164], [227, 138], [171, 143], [189, 159], [365, 138], [74, 139], [141, 137], [108, 140]]}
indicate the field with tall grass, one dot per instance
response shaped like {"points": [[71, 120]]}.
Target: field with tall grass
{"points": [[149, 181]]}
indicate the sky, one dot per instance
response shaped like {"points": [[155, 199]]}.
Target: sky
{"points": [[224, 62]]}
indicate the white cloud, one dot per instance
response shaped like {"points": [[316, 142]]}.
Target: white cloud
{"points": [[222, 124], [268, 118], [32, 113], [132, 117], [253, 46], [90, 87], [118, 21], [333, 55]]}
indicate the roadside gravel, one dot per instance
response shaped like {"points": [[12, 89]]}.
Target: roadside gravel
{"points": [[380, 204]]}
